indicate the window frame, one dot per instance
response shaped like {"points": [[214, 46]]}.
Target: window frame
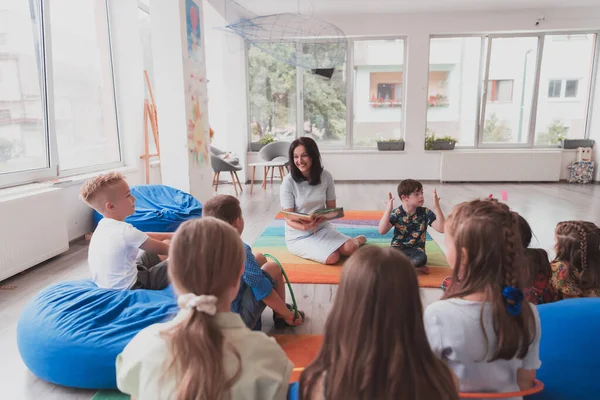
{"points": [[349, 66], [45, 74], [485, 55], [46, 91]]}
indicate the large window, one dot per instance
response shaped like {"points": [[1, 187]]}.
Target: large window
{"points": [[57, 100], [84, 101], [564, 88], [509, 90], [378, 91], [504, 96], [454, 65], [324, 107], [272, 87], [24, 144], [290, 101]]}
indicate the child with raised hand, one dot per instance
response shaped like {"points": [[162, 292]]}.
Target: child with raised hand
{"points": [[410, 222], [483, 328], [206, 352], [374, 344], [114, 256], [576, 268], [262, 282], [538, 289]]}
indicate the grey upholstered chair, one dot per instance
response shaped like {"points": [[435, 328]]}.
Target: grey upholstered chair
{"points": [[219, 165], [214, 150], [275, 155]]}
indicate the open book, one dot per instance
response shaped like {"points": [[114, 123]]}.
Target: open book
{"points": [[325, 213]]}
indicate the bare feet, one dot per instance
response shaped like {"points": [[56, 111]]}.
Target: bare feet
{"points": [[422, 270], [361, 240]]}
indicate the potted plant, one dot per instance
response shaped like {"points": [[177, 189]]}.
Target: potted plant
{"points": [[262, 142], [438, 143], [390, 144]]}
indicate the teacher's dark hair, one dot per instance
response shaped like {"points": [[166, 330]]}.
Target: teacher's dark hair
{"points": [[313, 152]]}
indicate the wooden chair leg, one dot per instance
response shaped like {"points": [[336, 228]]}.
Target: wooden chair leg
{"points": [[272, 173], [265, 177], [217, 181], [233, 182], [214, 179], [237, 178], [281, 173], [252, 182]]}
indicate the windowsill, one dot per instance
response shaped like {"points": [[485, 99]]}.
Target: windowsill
{"points": [[37, 187]]}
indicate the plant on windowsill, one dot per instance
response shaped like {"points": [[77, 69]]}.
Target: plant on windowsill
{"points": [[383, 103], [390, 144], [438, 100], [7, 148], [438, 143], [262, 142]]}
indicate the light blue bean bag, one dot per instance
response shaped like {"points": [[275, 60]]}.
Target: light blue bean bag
{"points": [[570, 350], [71, 333], [160, 208]]}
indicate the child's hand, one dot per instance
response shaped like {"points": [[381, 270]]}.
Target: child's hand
{"points": [[390, 201], [436, 199]]}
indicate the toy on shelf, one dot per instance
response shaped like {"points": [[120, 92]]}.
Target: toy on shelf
{"points": [[582, 170]]}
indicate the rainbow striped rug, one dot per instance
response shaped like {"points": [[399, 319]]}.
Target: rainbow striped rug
{"points": [[299, 270]]}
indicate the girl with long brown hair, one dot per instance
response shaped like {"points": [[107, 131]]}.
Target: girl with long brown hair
{"points": [[483, 328], [206, 352], [576, 268], [375, 345]]}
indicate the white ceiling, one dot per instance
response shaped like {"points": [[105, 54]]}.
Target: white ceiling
{"points": [[333, 7]]}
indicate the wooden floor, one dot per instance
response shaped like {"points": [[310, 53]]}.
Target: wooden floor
{"points": [[543, 205]]}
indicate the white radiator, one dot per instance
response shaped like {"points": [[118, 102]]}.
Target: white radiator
{"points": [[500, 165], [32, 230]]}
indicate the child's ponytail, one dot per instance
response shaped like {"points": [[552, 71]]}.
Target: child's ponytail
{"points": [[206, 259], [578, 244]]}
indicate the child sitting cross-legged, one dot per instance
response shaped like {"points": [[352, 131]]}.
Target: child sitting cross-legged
{"points": [[410, 222], [483, 327], [206, 352], [262, 282], [114, 255]]}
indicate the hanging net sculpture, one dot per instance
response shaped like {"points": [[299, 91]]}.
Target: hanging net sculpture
{"points": [[296, 39]]}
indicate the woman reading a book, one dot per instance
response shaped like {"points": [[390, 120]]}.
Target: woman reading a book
{"points": [[309, 190]]}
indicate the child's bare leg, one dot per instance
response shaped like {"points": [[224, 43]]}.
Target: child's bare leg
{"points": [[262, 260], [162, 257], [274, 272]]}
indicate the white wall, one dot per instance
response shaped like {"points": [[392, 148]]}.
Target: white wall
{"points": [[226, 74], [418, 28]]}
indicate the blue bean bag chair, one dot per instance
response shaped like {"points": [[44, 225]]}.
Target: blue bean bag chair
{"points": [[160, 208], [570, 350], [71, 333]]}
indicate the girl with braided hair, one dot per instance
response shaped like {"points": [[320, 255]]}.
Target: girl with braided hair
{"points": [[483, 328], [576, 268]]}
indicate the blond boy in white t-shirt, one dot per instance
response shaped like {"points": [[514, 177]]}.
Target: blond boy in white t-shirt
{"points": [[114, 256]]}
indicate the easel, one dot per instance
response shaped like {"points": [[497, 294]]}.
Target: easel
{"points": [[150, 115]]}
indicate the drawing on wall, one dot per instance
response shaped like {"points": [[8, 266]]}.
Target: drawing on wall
{"points": [[195, 88], [192, 12]]}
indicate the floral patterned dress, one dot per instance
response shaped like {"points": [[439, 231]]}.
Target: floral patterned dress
{"points": [[564, 286], [541, 292]]}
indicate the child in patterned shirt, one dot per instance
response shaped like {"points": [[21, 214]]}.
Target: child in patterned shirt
{"points": [[576, 268], [410, 222]]}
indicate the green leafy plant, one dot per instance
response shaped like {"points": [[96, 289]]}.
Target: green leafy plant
{"points": [[430, 138], [556, 133], [266, 139]]}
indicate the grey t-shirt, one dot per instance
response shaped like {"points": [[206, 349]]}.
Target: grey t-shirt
{"points": [[304, 198], [454, 332]]}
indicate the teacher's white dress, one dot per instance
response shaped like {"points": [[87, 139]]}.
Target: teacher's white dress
{"points": [[304, 198]]}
